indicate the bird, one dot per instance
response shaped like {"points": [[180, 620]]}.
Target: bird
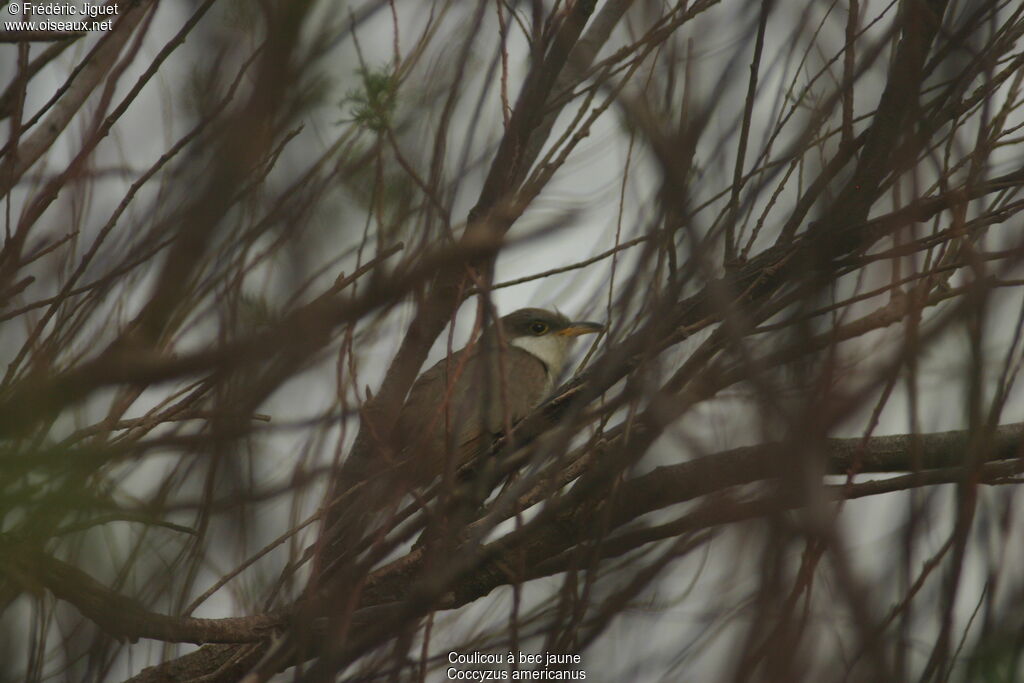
{"points": [[452, 413], [458, 406]]}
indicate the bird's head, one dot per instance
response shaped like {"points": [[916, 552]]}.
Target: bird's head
{"points": [[545, 334]]}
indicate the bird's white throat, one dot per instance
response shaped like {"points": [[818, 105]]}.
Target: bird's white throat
{"points": [[551, 349]]}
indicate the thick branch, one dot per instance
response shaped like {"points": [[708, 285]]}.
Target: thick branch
{"points": [[123, 617], [671, 485]]}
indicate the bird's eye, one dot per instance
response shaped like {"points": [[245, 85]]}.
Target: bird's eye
{"points": [[538, 328]]}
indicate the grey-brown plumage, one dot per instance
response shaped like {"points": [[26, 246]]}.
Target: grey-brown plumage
{"points": [[453, 411], [455, 408]]}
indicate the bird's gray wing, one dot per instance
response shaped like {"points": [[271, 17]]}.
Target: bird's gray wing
{"points": [[461, 403], [522, 386]]}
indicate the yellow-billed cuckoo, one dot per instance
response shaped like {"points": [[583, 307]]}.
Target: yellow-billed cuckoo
{"points": [[453, 412], [460, 404]]}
